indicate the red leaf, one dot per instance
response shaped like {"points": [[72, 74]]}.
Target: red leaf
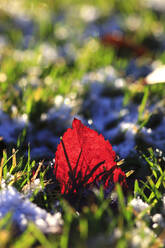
{"points": [[84, 158], [120, 41]]}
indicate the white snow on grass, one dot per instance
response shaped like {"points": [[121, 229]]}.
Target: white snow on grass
{"points": [[138, 204], [24, 211]]}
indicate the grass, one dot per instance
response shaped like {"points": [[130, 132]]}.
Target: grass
{"points": [[47, 55], [96, 219]]}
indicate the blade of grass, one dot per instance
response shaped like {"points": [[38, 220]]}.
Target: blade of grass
{"points": [[92, 171], [143, 104], [37, 171], [1, 169], [5, 163], [39, 236], [21, 137], [7, 160], [14, 161], [83, 226]]}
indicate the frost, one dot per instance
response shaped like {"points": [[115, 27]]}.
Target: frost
{"points": [[158, 220], [5, 182], [24, 211], [138, 204], [33, 186], [89, 13], [138, 234]]}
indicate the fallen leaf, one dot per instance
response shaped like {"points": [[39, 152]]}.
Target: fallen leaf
{"points": [[84, 158], [120, 41]]}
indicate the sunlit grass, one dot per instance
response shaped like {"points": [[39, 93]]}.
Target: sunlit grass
{"points": [[49, 60]]}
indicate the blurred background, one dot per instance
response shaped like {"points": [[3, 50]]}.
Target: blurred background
{"points": [[89, 59]]}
